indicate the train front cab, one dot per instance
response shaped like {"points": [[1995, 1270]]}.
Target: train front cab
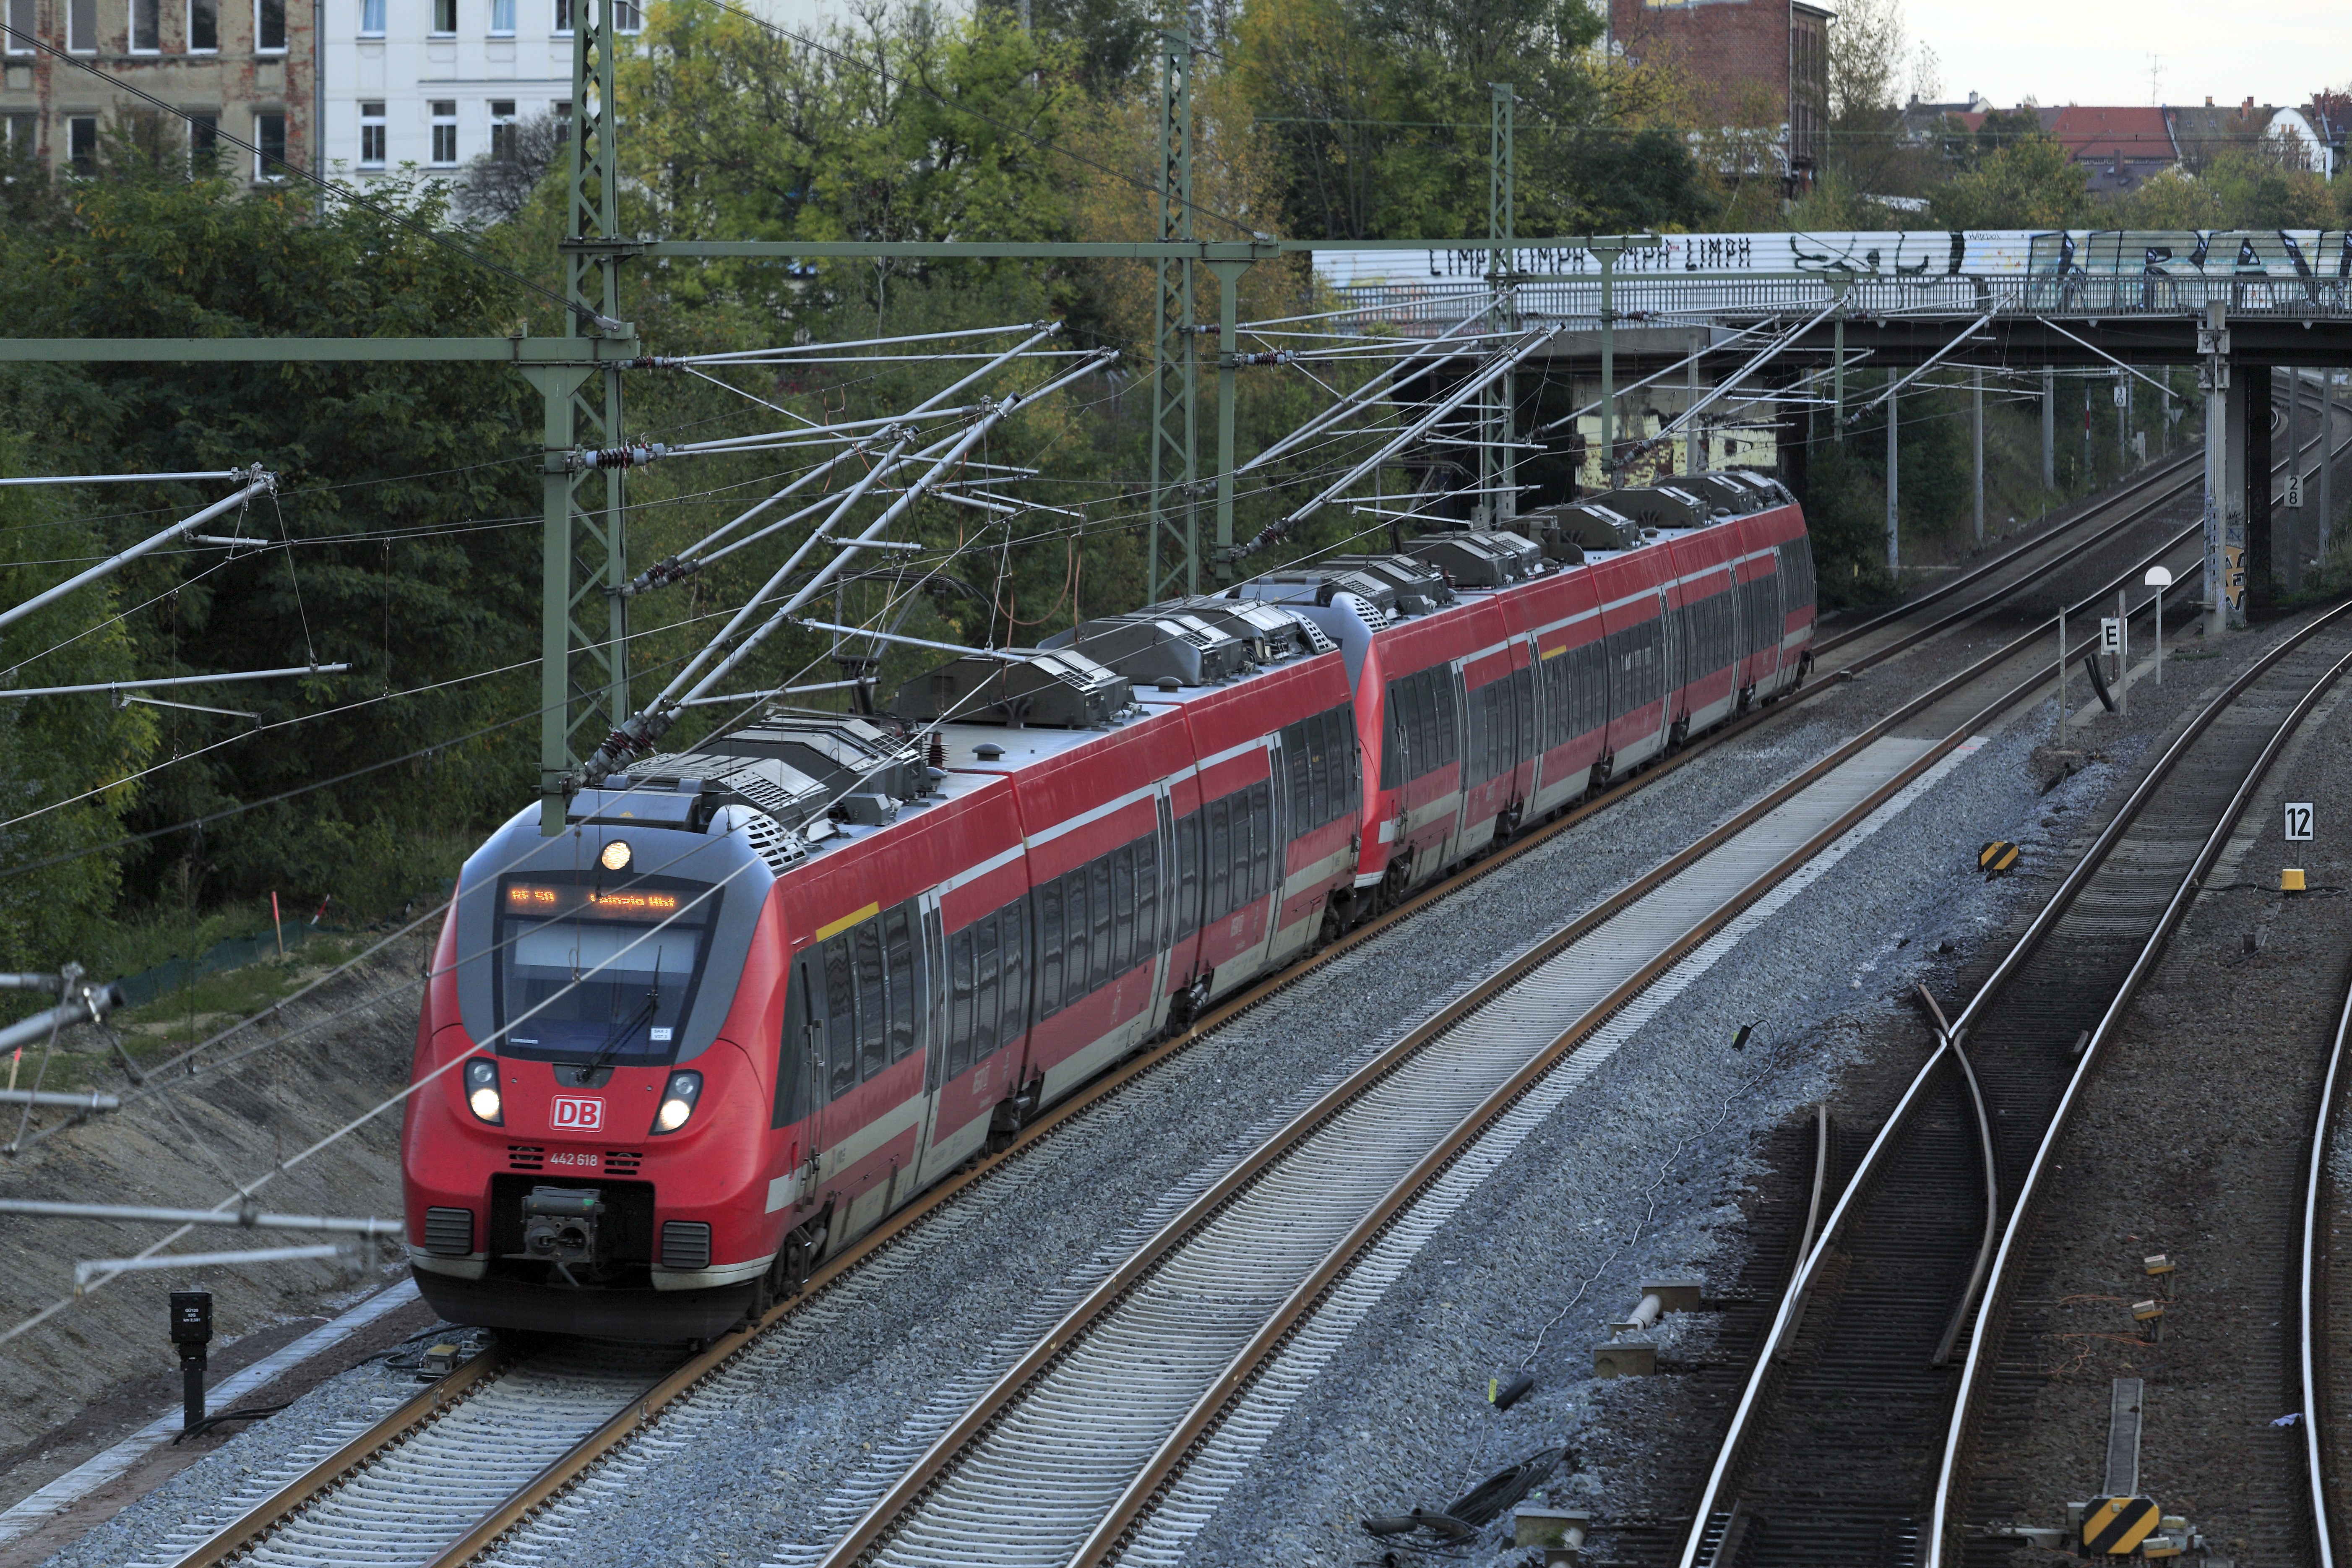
{"points": [[586, 1155]]}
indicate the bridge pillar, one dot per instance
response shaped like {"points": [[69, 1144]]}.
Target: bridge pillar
{"points": [[2225, 507], [2048, 429], [2253, 482]]}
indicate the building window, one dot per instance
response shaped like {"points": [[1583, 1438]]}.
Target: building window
{"points": [[146, 26], [371, 18], [81, 142], [204, 26], [628, 19], [204, 145], [20, 22], [445, 132], [270, 146], [81, 27], [269, 26], [445, 18], [564, 16], [561, 111], [502, 18], [372, 134], [502, 130], [18, 134]]}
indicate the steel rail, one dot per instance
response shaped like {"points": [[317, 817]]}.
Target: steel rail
{"points": [[1793, 1301], [2316, 1413], [2191, 459], [885, 1517], [2191, 885], [298, 1493], [1821, 1180], [643, 1411]]}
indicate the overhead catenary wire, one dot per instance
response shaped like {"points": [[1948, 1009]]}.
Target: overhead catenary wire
{"points": [[257, 483]]}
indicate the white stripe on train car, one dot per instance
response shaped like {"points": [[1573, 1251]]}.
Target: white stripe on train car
{"points": [[1093, 814]]}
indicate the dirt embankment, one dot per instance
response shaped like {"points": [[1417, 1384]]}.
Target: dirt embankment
{"points": [[321, 1062]]}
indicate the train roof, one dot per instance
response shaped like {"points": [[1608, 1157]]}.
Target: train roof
{"points": [[819, 781]]}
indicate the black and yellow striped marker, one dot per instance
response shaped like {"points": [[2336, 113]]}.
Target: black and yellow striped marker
{"points": [[1996, 857], [2114, 1526]]}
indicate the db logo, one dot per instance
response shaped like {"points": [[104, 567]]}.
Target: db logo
{"points": [[576, 1113]]}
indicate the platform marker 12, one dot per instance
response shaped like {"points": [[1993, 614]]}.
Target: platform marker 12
{"points": [[2298, 820]]}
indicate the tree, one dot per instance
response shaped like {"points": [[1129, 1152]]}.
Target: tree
{"points": [[2028, 184], [411, 492], [55, 752]]}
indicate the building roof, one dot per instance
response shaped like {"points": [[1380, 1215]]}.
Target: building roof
{"points": [[2092, 132]]}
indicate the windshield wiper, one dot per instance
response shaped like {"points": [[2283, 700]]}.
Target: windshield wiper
{"points": [[643, 1015]]}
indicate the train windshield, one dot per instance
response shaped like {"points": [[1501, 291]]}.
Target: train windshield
{"points": [[602, 973]]}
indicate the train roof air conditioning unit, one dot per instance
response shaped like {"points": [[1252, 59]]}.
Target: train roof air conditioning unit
{"points": [[1055, 688], [844, 754], [1478, 558], [1271, 632], [1151, 645]]}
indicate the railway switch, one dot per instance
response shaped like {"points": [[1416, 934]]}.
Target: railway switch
{"points": [[192, 1331]]}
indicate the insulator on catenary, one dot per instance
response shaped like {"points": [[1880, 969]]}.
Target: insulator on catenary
{"points": [[653, 362], [634, 456]]}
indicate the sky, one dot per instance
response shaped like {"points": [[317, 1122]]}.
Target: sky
{"points": [[2097, 51]]}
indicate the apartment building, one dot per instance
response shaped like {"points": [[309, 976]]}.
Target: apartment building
{"points": [[238, 67], [435, 83], [1743, 57]]}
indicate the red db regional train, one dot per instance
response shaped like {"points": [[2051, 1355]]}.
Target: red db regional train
{"points": [[755, 996]]}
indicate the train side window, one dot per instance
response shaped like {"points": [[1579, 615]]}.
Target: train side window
{"points": [[1013, 967], [1122, 903], [1146, 896], [1261, 850], [873, 1009], [1393, 739], [802, 1040], [841, 1007], [1188, 874], [1292, 751], [1345, 759], [1049, 947], [1105, 914], [959, 1002], [1074, 983], [898, 949], [1218, 853], [987, 1001]]}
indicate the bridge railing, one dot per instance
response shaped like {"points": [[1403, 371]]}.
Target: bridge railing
{"points": [[1649, 301]]}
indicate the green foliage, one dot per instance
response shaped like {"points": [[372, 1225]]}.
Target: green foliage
{"points": [[2027, 184], [1380, 113], [1846, 514], [59, 755], [409, 489]]}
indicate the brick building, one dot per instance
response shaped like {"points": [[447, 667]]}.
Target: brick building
{"points": [[243, 67], [1746, 56]]}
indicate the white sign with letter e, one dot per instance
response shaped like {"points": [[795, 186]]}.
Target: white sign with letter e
{"points": [[2298, 819], [2111, 635]]}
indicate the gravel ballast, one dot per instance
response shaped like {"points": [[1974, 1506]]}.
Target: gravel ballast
{"points": [[784, 1448]]}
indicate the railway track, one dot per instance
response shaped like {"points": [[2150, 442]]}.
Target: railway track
{"points": [[1842, 1449], [445, 1475], [2323, 1310]]}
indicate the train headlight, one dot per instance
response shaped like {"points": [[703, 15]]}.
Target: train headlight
{"points": [[482, 1091], [677, 1101], [616, 857]]}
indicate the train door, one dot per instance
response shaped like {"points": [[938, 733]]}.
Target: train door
{"points": [[1165, 921], [934, 1158], [1675, 713]]}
